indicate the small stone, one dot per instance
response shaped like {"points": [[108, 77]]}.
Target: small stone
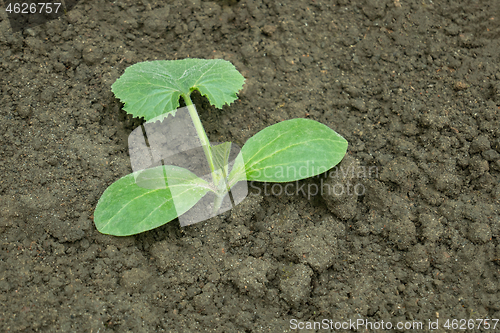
{"points": [[155, 21], [432, 228], [268, 30], [67, 231], [418, 259], [316, 247], [247, 51], [491, 155], [491, 286], [400, 170], [402, 233], [166, 255], [134, 280], [496, 145], [204, 302], [74, 16], [295, 284], [47, 95], [479, 144], [251, 276], [238, 234], [30, 32], [92, 55], [460, 85], [479, 233], [477, 167], [466, 39], [495, 193], [24, 111], [495, 165], [448, 183], [130, 57], [59, 67]]}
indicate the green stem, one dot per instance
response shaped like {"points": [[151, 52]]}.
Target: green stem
{"points": [[202, 135]]}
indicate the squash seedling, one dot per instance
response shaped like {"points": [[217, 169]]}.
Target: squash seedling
{"points": [[284, 152]]}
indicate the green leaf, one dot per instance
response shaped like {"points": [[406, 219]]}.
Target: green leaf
{"points": [[221, 155], [150, 89], [167, 192], [288, 151]]}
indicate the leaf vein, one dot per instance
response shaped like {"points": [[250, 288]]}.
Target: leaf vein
{"points": [[288, 147]]}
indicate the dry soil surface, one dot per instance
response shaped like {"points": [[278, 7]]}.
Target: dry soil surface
{"points": [[413, 85]]}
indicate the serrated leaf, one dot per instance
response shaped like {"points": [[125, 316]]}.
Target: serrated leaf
{"points": [[288, 151], [152, 88], [125, 208]]}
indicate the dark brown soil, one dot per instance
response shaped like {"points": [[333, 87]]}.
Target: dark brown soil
{"points": [[413, 85]]}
